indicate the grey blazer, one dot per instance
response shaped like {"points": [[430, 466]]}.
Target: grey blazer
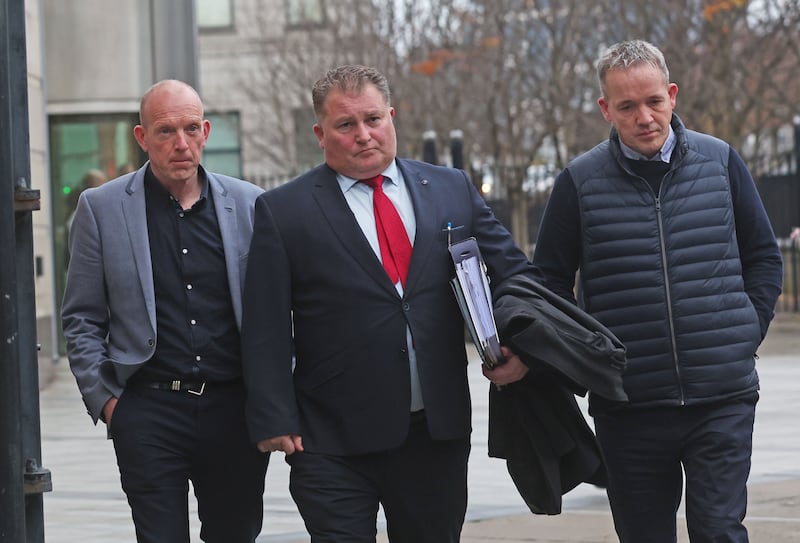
{"points": [[108, 315]]}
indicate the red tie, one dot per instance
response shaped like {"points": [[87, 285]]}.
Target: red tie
{"points": [[392, 235]]}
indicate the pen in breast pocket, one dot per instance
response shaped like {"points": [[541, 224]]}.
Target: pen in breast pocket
{"points": [[449, 229]]}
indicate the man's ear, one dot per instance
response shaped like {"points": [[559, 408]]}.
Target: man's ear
{"points": [[138, 133], [604, 108], [672, 90], [318, 132]]}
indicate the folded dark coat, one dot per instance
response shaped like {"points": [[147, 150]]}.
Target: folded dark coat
{"points": [[536, 424]]}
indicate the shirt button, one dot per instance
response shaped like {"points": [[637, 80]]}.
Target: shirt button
{"points": [[181, 214], [197, 358], [189, 286], [185, 251], [192, 322]]}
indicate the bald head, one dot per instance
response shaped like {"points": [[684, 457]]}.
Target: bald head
{"points": [[167, 90]]}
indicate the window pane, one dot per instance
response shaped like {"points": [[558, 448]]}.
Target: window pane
{"points": [[304, 12], [214, 14], [224, 163], [223, 149], [224, 131]]}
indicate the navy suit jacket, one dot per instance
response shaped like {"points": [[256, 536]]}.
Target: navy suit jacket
{"points": [[316, 295]]}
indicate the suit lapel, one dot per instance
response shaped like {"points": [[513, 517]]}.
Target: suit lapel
{"points": [[426, 215], [135, 217], [225, 208], [343, 225]]}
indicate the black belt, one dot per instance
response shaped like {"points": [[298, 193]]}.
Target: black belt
{"points": [[192, 387], [417, 416]]}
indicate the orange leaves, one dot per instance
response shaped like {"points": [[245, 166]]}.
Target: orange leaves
{"points": [[436, 59], [714, 7]]}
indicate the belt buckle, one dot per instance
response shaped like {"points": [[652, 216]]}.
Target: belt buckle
{"points": [[197, 392]]}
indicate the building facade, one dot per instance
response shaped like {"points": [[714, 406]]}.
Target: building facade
{"points": [[91, 60]]}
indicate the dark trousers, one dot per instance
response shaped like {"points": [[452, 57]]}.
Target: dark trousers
{"points": [[648, 451], [164, 439], [422, 486]]}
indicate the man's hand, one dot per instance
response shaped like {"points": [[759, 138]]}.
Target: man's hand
{"points": [[108, 410], [288, 444], [510, 371]]}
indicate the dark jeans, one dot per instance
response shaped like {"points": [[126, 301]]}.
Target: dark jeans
{"points": [[164, 439], [422, 486], [647, 451]]}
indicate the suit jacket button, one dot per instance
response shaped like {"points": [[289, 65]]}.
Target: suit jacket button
{"points": [[406, 307], [150, 342]]}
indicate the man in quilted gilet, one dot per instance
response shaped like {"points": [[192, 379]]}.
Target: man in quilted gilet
{"points": [[676, 256]]}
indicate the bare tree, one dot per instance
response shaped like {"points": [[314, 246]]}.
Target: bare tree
{"points": [[515, 76], [737, 64]]}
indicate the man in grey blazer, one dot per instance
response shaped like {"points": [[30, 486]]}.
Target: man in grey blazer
{"points": [[151, 316]]}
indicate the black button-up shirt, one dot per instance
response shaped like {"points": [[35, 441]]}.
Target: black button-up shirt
{"points": [[197, 334]]}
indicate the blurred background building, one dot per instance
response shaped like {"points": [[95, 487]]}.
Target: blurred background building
{"points": [[502, 88]]}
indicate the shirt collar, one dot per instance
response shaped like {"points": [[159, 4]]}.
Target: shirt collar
{"points": [[665, 155], [202, 178], [154, 185], [391, 173]]}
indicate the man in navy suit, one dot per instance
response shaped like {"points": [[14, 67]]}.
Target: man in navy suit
{"points": [[361, 379]]}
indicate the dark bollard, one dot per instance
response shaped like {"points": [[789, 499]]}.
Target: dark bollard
{"points": [[429, 147], [457, 148], [794, 240]]}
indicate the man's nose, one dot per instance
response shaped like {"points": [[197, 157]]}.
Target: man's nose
{"points": [[362, 133], [180, 140], [645, 115]]}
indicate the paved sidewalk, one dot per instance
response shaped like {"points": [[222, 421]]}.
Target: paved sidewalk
{"points": [[87, 504], [773, 517]]}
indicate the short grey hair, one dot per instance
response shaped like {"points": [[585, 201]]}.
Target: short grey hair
{"points": [[348, 78], [625, 54]]}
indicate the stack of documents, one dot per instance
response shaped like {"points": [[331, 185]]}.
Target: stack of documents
{"points": [[471, 287]]}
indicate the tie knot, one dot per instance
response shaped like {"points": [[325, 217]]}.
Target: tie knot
{"points": [[374, 182]]}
